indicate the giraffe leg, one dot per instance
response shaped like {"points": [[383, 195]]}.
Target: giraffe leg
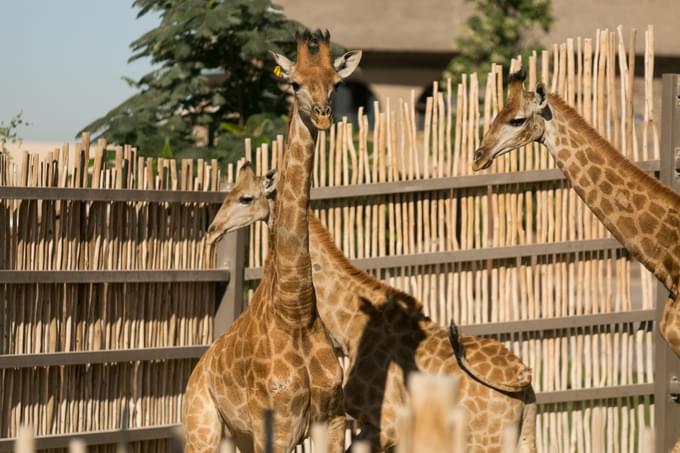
{"points": [[527, 435], [327, 396], [336, 426], [202, 423], [670, 324]]}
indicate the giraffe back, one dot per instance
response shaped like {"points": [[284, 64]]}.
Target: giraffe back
{"points": [[490, 362]]}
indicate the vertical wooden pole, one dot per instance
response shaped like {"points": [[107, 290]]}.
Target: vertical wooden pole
{"points": [[231, 254], [667, 411]]}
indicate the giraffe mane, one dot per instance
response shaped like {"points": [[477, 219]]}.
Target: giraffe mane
{"points": [[408, 301], [577, 122]]}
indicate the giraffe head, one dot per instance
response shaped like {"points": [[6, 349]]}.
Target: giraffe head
{"points": [[313, 77], [249, 200], [522, 121]]}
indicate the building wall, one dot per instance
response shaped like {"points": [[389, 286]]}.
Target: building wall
{"points": [[407, 43], [432, 25]]}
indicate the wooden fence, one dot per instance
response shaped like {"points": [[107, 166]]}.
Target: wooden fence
{"points": [[511, 253], [107, 293]]}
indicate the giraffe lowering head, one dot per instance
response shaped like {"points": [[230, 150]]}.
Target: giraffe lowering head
{"points": [[250, 199], [360, 312], [313, 77], [521, 122]]}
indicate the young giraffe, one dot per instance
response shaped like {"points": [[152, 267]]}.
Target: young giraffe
{"points": [[277, 354], [641, 213], [385, 335]]}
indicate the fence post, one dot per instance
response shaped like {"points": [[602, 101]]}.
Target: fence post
{"points": [[667, 364], [230, 254]]}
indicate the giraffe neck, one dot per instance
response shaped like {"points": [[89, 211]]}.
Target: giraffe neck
{"points": [[345, 294], [290, 264], [642, 213]]}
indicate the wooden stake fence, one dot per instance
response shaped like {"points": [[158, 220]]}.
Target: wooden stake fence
{"points": [[521, 259], [114, 299], [511, 253]]}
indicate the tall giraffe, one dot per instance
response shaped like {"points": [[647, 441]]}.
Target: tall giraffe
{"points": [[277, 354], [385, 335], [642, 213]]}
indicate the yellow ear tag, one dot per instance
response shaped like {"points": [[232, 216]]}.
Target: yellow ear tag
{"points": [[278, 72]]}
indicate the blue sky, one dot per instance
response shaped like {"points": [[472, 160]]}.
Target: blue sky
{"points": [[62, 62]]}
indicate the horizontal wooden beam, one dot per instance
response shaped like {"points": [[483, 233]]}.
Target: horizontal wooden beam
{"points": [[317, 193], [46, 359], [169, 431], [114, 276], [595, 393], [560, 323], [451, 182], [193, 352], [99, 437], [110, 195], [471, 255]]}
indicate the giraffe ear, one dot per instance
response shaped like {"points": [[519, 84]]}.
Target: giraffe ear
{"points": [[269, 182], [284, 66], [347, 63], [542, 102], [541, 96]]}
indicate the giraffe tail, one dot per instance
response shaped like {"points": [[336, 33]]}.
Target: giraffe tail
{"points": [[527, 433]]}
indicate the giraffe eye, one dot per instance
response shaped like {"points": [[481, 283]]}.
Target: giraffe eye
{"points": [[246, 199], [516, 122], [295, 85]]}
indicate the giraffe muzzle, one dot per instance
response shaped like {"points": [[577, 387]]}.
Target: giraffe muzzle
{"points": [[481, 159], [322, 116], [213, 235]]}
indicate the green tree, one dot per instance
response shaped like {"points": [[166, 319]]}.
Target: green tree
{"points": [[496, 33], [8, 131], [212, 70]]}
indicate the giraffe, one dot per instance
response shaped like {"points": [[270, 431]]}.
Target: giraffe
{"points": [[385, 335], [641, 213], [277, 354]]}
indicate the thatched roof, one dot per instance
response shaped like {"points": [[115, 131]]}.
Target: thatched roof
{"points": [[432, 25]]}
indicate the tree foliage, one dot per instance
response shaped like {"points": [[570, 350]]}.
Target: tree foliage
{"points": [[8, 131], [211, 69], [497, 32]]}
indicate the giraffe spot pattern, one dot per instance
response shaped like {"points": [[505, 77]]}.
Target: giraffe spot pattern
{"points": [[647, 222], [627, 226], [594, 173]]}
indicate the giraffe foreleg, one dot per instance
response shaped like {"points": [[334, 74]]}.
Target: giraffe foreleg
{"points": [[202, 423], [336, 425]]}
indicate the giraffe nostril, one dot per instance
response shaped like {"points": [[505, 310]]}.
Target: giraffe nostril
{"points": [[327, 111], [478, 154], [316, 109]]}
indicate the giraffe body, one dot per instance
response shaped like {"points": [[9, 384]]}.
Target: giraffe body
{"points": [[385, 335], [639, 211], [277, 354]]}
